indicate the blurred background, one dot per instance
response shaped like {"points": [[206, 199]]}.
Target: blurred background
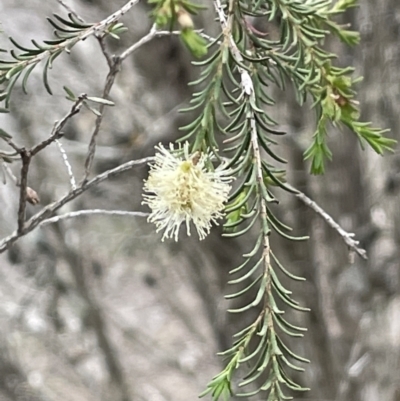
{"points": [[97, 308]]}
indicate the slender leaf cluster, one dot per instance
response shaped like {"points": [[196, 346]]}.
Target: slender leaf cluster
{"points": [[22, 60], [235, 80]]}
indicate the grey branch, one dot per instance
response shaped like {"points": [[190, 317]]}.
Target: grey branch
{"points": [[114, 69], [79, 213], [48, 210], [347, 237], [153, 33]]}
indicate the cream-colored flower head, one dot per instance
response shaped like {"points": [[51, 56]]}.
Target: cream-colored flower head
{"points": [[183, 189]]}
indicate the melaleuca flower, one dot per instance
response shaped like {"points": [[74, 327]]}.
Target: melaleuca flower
{"points": [[183, 188]]}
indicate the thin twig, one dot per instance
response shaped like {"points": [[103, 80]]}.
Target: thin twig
{"points": [[114, 69], [67, 163], [11, 143], [56, 133], [47, 211], [157, 34], [207, 37], [141, 42], [347, 237], [80, 213], [26, 157], [106, 54], [147, 38]]}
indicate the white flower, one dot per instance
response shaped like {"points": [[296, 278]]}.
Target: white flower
{"points": [[182, 189]]}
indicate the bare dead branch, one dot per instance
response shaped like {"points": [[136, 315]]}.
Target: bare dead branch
{"points": [[347, 237], [114, 69], [26, 159], [156, 34], [151, 35], [13, 145], [23, 182], [106, 54], [80, 213], [48, 210]]}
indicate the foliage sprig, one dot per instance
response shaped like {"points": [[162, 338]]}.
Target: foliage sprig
{"points": [[68, 33], [235, 85]]}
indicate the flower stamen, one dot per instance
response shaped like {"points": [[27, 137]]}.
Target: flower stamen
{"points": [[182, 189]]}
